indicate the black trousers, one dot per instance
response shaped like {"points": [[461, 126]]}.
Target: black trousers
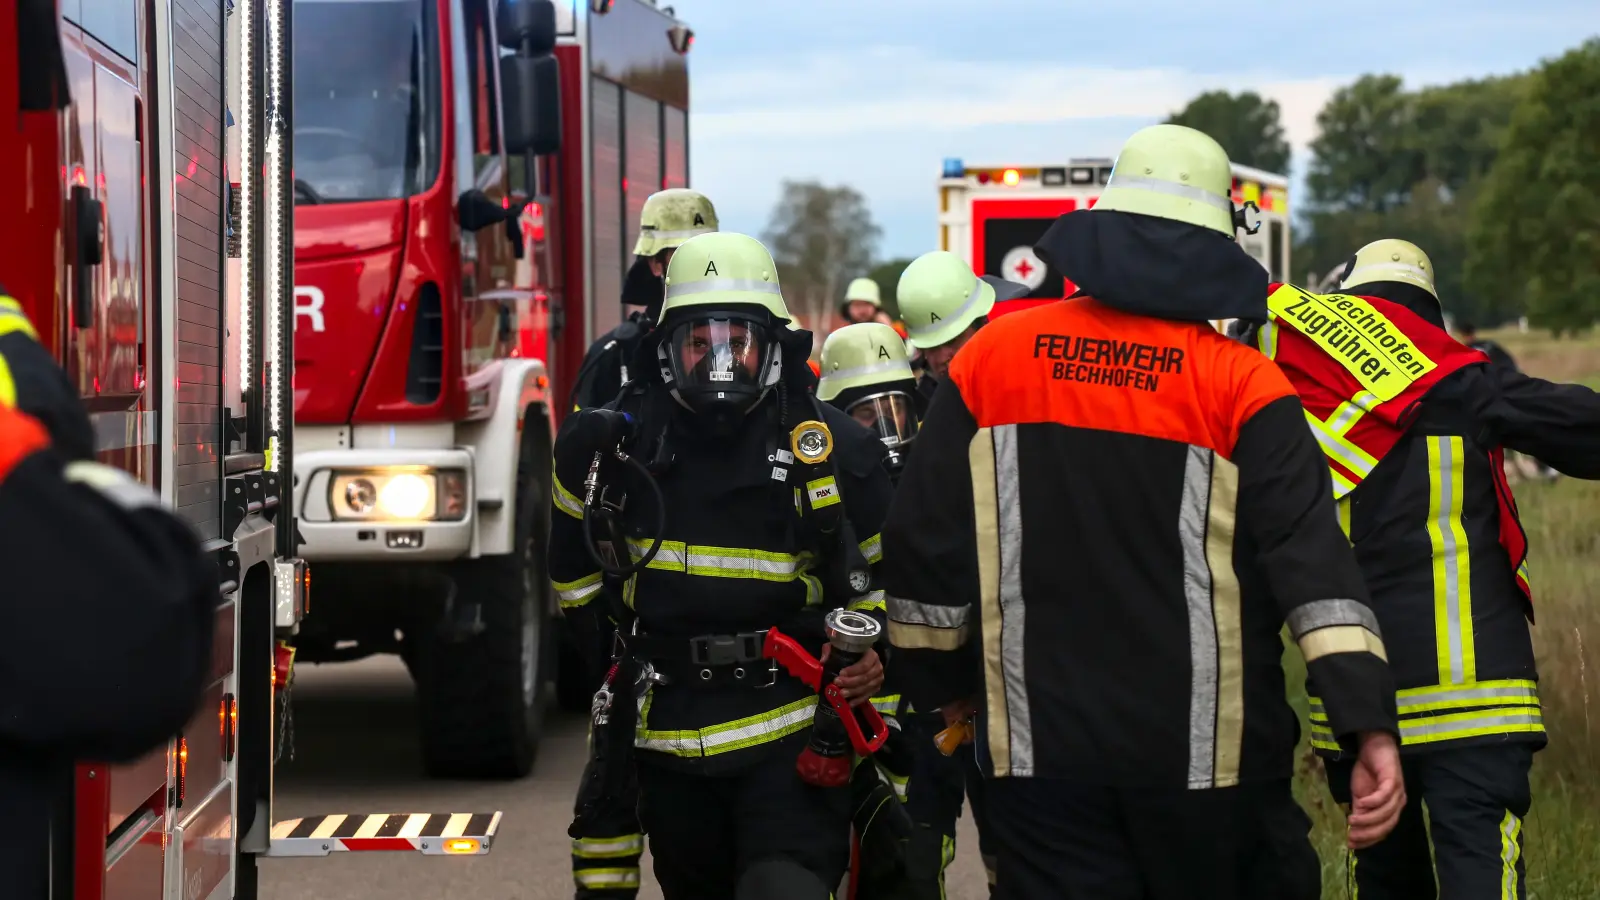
{"points": [[1060, 840], [706, 831], [1476, 798], [934, 795]]}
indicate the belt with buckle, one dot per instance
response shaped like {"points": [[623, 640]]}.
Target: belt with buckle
{"points": [[708, 660]]}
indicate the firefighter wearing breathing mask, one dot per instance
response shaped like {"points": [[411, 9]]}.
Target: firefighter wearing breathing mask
{"points": [[943, 304], [748, 505]]}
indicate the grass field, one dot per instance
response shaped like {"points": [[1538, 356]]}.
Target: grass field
{"points": [[1562, 836]]}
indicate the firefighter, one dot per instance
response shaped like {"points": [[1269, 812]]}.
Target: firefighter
{"points": [[862, 303], [755, 514], [865, 374], [1095, 548], [943, 305], [104, 589], [940, 281], [668, 218], [1413, 425]]}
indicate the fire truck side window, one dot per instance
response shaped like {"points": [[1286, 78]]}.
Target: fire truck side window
{"points": [[114, 23]]}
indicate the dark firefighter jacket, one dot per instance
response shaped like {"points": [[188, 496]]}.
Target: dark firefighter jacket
{"points": [[1415, 445], [609, 363], [1107, 521], [31, 381], [109, 604], [732, 561]]}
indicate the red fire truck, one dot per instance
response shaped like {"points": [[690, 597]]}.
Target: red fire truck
{"points": [[119, 222], [467, 174], [994, 215]]}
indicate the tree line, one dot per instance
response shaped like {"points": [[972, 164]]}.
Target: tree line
{"points": [[1497, 179]]}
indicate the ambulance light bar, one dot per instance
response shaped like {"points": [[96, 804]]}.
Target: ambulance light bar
{"points": [[1080, 173]]}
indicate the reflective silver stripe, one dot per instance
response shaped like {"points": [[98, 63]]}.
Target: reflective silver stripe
{"points": [[913, 613], [740, 565], [1468, 725], [1013, 611], [872, 548], [1372, 272], [615, 846], [721, 739], [723, 284], [966, 306], [674, 235], [113, 484], [1120, 179], [1510, 853], [868, 601], [1426, 699], [1325, 613], [572, 596], [567, 501], [863, 371], [1449, 508], [603, 878], [1202, 621]]}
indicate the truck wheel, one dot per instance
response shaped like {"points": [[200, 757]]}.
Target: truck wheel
{"points": [[482, 699]]}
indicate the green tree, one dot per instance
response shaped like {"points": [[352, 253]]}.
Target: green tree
{"points": [[821, 237], [1246, 126], [1536, 229], [1364, 156]]}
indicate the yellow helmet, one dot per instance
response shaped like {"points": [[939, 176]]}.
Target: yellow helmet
{"points": [[862, 355], [940, 297], [1173, 172], [1390, 259], [865, 290], [671, 217], [723, 270]]}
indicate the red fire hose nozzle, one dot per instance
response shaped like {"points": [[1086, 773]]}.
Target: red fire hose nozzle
{"points": [[826, 760]]}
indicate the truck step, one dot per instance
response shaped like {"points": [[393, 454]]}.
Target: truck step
{"points": [[433, 834]]}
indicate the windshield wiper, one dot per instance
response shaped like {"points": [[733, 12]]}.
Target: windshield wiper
{"points": [[301, 186]]}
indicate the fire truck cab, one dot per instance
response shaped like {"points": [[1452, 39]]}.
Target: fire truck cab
{"points": [[466, 176], [994, 215]]}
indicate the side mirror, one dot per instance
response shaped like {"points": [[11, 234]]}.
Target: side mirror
{"points": [[531, 96], [527, 27], [477, 212]]}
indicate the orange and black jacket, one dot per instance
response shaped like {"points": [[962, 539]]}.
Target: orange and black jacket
{"points": [[1413, 425], [1108, 521]]}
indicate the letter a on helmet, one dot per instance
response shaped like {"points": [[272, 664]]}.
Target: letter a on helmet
{"points": [[1390, 259], [940, 298], [671, 217], [1173, 172]]}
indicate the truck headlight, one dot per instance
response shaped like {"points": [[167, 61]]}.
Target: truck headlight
{"points": [[401, 494]]}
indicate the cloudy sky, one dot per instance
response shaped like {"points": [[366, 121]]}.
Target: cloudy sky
{"points": [[875, 93]]}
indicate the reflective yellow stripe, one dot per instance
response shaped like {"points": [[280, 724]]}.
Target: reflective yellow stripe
{"points": [[1433, 729], [1350, 875], [1510, 852], [868, 602], [872, 548], [567, 502], [729, 736], [13, 319], [8, 385], [1341, 484], [600, 879], [911, 636], [1322, 737], [608, 847], [724, 562], [1452, 569], [886, 705], [1342, 506], [573, 594], [1336, 447]]}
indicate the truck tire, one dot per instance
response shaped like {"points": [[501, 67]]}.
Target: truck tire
{"points": [[481, 700]]}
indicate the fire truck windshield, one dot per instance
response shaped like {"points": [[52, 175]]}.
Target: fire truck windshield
{"points": [[366, 100]]}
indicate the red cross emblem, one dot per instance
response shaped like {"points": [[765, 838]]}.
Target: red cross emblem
{"points": [[1023, 267]]}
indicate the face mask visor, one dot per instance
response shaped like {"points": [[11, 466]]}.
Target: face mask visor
{"points": [[890, 415], [720, 357]]}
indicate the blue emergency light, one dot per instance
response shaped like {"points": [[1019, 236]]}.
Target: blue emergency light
{"points": [[953, 168]]}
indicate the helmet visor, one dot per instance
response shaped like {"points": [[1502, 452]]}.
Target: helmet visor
{"points": [[719, 354], [891, 416]]}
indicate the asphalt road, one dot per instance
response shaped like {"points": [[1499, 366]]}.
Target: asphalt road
{"points": [[355, 752]]}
